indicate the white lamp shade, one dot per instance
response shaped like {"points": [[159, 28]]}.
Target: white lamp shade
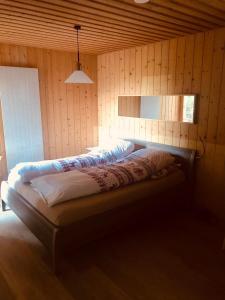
{"points": [[78, 76], [141, 1]]}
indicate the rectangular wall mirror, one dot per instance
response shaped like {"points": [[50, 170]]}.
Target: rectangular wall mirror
{"points": [[178, 108]]}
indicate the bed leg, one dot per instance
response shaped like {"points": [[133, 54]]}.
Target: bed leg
{"points": [[223, 247], [4, 206], [55, 256], [55, 262]]}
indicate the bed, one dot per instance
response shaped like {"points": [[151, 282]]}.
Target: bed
{"points": [[82, 220]]}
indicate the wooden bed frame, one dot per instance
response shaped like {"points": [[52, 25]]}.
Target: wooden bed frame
{"points": [[57, 238]]}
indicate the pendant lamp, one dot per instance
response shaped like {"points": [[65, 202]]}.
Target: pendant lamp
{"points": [[78, 76], [141, 1]]}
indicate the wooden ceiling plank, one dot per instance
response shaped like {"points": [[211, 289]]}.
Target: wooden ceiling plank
{"points": [[57, 24], [11, 36], [29, 43], [48, 39], [83, 21], [161, 8], [162, 14], [65, 29], [44, 6], [107, 25], [26, 41], [140, 12], [217, 4], [69, 33], [70, 27], [39, 37], [121, 12], [93, 7], [203, 7], [183, 8]]}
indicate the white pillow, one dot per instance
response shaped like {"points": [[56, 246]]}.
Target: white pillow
{"points": [[161, 159], [116, 147]]}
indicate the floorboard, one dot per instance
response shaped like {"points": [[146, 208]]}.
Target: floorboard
{"points": [[175, 258]]}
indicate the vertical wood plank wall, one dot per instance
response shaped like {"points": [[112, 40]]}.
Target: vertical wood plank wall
{"points": [[69, 112], [171, 108], [191, 64], [129, 106]]}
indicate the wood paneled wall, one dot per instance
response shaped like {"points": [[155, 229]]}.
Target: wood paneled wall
{"points": [[129, 106], [69, 112], [191, 64], [171, 108]]}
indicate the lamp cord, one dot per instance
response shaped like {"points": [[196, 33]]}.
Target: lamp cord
{"points": [[78, 50]]}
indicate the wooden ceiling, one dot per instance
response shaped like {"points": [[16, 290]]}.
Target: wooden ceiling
{"points": [[107, 25]]}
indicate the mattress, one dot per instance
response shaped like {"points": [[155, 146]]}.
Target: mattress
{"points": [[78, 209]]}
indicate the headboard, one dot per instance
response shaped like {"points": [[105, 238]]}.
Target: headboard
{"points": [[185, 156]]}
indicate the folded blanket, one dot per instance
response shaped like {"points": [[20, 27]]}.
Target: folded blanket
{"points": [[26, 171], [87, 181]]}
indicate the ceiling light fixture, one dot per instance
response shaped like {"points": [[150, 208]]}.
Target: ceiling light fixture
{"points": [[78, 76], [141, 1]]}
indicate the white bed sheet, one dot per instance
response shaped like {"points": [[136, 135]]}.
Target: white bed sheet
{"points": [[81, 208]]}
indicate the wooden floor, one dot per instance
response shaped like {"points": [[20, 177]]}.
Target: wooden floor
{"points": [[178, 258]]}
